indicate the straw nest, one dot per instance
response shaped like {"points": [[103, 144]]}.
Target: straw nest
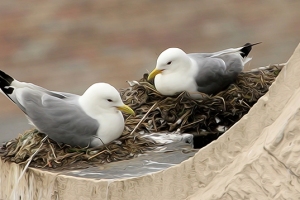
{"points": [[154, 113]]}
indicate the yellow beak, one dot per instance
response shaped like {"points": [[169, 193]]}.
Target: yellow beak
{"points": [[153, 74], [126, 109]]}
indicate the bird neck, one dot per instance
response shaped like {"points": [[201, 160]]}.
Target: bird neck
{"points": [[184, 65]]}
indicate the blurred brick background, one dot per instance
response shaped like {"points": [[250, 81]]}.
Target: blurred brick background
{"points": [[67, 45]]}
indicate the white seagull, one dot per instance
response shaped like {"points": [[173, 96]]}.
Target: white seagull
{"points": [[208, 73], [92, 119]]}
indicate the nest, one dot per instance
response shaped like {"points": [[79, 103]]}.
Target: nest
{"points": [[46, 153], [154, 113], [205, 116]]}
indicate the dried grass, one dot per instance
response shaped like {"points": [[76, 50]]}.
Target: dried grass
{"points": [[154, 113]]}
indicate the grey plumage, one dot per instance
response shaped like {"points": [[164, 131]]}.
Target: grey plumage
{"points": [[62, 117], [216, 76], [69, 118], [208, 73]]}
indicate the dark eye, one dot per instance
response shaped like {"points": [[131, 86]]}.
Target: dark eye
{"points": [[169, 63], [109, 100]]}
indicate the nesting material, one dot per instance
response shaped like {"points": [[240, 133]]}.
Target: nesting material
{"points": [[154, 113], [53, 155], [211, 114]]}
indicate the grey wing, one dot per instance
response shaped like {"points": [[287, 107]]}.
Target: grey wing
{"points": [[199, 56], [62, 119], [214, 73], [226, 52], [20, 87], [234, 63], [52, 93]]}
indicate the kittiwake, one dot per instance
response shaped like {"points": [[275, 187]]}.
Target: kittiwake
{"points": [[92, 119], [208, 73]]}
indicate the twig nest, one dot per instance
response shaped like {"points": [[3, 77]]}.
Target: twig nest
{"points": [[154, 113], [205, 115]]}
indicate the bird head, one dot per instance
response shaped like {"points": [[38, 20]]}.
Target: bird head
{"points": [[106, 97], [170, 60]]}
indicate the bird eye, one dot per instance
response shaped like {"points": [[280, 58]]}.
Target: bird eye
{"points": [[109, 100], [169, 63]]}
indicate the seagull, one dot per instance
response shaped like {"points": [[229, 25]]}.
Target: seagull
{"points": [[208, 73], [93, 119]]}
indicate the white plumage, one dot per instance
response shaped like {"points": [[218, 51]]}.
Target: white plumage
{"points": [[91, 119], [209, 73]]}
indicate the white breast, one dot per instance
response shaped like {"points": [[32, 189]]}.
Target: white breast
{"points": [[176, 82], [111, 128]]}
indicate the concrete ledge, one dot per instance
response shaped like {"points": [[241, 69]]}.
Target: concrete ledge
{"points": [[257, 158]]}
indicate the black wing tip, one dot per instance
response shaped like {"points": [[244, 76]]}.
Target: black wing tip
{"points": [[250, 44], [8, 79], [5, 80], [247, 48]]}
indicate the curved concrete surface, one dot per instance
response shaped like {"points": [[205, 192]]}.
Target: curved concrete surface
{"points": [[258, 158]]}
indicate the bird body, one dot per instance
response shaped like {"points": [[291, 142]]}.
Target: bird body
{"points": [[208, 73], [91, 119]]}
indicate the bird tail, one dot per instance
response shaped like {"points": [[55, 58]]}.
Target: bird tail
{"points": [[5, 84], [245, 50]]}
